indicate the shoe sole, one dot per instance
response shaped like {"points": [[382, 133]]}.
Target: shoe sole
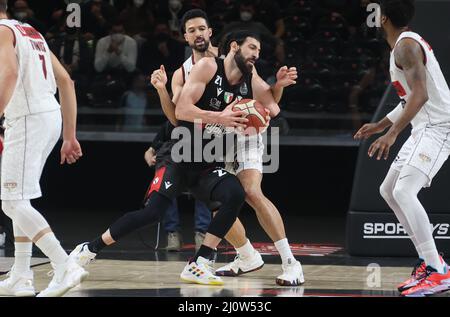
{"points": [[281, 282], [197, 282], [406, 287], [231, 273], [63, 291]]}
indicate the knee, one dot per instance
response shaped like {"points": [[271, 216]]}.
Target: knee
{"points": [[253, 194], [235, 196], [385, 192], [12, 207], [401, 195]]}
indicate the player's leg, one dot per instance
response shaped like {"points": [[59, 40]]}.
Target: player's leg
{"points": [[159, 199], [27, 147], [218, 186], [202, 219]]}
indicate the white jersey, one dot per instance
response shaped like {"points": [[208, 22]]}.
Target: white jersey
{"points": [[36, 86], [436, 111], [187, 67]]}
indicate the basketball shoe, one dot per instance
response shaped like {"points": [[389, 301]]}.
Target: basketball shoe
{"points": [[417, 275], [200, 272], [81, 255], [292, 274], [241, 265], [432, 283], [65, 277], [18, 284]]}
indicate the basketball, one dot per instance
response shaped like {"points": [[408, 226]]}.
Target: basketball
{"points": [[255, 113]]}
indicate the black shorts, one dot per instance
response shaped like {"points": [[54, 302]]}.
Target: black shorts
{"points": [[172, 179]]}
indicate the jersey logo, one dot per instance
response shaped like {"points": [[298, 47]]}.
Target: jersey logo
{"points": [[168, 184], [215, 103], [243, 89], [220, 172], [219, 91], [399, 88], [218, 80], [228, 97], [156, 180]]}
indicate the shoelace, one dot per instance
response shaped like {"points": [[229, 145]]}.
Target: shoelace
{"points": [[419, 270]]}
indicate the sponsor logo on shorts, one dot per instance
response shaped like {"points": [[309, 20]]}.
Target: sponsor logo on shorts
{"points": [[220, 172], [392, 230], [425, 158], [156, 180], [10, 185]]}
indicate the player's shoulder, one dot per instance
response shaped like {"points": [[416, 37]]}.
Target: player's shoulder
{"points": [[206, 65]]}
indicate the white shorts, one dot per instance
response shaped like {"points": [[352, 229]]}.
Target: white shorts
{"points": [[28, 142], [426, 149], [248, 155]]}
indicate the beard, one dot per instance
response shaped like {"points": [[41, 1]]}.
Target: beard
{"points": [[200, 47], [241, 63]]}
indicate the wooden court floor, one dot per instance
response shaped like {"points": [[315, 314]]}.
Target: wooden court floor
{"points": [[137, 278]]}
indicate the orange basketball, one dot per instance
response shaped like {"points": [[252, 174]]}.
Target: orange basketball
{"points": [[254, 112]]}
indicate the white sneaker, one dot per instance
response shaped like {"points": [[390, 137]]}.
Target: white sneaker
{"points": [[292, 275], [200, 273], [65, 277], [2, 239], [241, 265], [18, 284], [81, 255]]}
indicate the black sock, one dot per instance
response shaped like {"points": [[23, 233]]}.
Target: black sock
{"points": [[204, 252], [96, 245]]}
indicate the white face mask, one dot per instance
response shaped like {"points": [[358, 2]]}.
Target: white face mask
{"points": [[138, 3], [246, 16], [175, 5]]}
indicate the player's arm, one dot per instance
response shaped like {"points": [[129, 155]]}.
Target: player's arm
{"points": [[409, 56], [9, 68], [71, 149], [263, 93], [285, 77], [159, 81], [186, 110]]}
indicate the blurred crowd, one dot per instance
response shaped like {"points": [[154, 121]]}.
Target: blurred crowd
{"points": [[342, 63]]}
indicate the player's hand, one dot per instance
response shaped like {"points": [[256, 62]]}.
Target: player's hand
{"points": [[286, 76], [159, 78], [263, 129], [382, 145], [70, 151], [367, 130], [230, 118], [150, 156]]}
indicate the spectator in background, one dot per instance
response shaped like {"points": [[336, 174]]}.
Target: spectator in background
{"points": [[97, 17], [138, 20], [115, 62], [74, 53], [162, 48], [172, 11], [116, 52], [135, 102], [22, 12]]}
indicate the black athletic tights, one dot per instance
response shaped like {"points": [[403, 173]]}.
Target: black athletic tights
{"points": [[228, 192]]}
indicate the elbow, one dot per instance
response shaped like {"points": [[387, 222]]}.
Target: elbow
{"points": [[66, 82], [179, 113], [425, 97]]}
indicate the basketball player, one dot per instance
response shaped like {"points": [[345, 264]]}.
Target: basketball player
{"points": [[29, 75], [197, 34], [425, 103]]}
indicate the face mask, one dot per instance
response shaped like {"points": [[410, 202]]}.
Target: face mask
{"points": [[138, 3], [175, 4], [20, 15], [246, 16]]}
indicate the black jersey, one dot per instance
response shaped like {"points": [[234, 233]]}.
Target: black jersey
{"points": [[218, 94]]}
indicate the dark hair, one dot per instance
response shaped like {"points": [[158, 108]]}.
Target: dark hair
{"points": [[3, 6], [399, 12], [192, 14], [239, 37]]}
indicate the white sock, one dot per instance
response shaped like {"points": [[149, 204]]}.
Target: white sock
{"points": [[22, 256], [51, 247], [246, 250], [285, 251], [431, 256]]}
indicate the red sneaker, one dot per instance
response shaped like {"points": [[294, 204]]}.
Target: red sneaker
{"points": [[432, 283], [417, 274]]}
